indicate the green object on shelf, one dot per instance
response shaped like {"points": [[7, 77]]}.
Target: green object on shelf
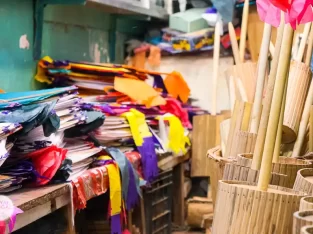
{"points": [[188, 21]]}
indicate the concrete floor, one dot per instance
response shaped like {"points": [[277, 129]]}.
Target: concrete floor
{"points": [[189, 232]]}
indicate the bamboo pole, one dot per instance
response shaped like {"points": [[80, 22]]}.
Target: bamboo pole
{"points": [[280, 128], [281, 78], [309, 50], [233, 41], [257, 104], [258, 151], [243, 33], [216, 57]]}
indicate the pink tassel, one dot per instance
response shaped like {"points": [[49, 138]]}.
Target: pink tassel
{"points": [[126, 232], [2, 227]]}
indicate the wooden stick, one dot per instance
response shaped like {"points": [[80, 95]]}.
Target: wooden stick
{"points": [[224, 131], [272, 49], [231, 133], [242, 90], [243, 33], [281, 78], [303, 123], [309, 50], [280, 128], [311, 130], [232, 93], [233, 41], [295, 46], [257, 104], [303, 42], [216, 58], [258, 150]]}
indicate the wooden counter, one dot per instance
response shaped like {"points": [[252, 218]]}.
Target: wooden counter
{"points": [[39, 202]]}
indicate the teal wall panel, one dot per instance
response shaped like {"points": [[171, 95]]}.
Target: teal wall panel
{"points": [[75, 43], [76, 33], [72, 32], [16, 65]]}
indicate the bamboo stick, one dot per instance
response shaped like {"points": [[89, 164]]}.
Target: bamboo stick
{"points": [[281, 78], [309, 50], [303, 42], [243, 33], [311, 130], [280, 128], [233, 41], [256, 110], [216, 57], [232, 129], [258, 151]]}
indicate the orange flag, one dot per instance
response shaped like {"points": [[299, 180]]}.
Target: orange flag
{"points": [[139, 91], [177, 86]]}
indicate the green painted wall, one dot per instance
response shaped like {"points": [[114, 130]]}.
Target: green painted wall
{"points": [[76, 33], [16, 64], [71, 32]]}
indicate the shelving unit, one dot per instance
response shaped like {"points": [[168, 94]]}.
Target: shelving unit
{"points": [[129, 7]]}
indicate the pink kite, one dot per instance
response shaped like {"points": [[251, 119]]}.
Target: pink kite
{"points": [[296, 11]]}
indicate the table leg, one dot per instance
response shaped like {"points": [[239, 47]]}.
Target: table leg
{"points": [[178, 194], [68, 212]]}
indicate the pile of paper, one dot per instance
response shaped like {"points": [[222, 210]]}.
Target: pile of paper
{"points": [[41, 120]]}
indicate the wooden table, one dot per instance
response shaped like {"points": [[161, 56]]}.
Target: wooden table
{"points": [[39, 202]]}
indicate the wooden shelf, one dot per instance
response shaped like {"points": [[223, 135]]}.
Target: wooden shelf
{"points": [[123, 7]]}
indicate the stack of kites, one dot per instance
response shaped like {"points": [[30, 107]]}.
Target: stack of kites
{"points": [[146, 112]]}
